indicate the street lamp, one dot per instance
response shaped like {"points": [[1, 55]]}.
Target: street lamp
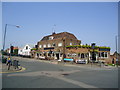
{"points": [[6, 25]]}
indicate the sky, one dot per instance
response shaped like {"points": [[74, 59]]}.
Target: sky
{"points": [[88, 21]]}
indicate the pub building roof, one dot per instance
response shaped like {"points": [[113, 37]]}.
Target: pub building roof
{"points": [[59, 35]]}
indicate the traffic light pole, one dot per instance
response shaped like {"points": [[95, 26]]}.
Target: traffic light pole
{"points": [[63, 49]]}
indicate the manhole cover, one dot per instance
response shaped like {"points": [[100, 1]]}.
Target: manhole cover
{"points": [[65, 74]]}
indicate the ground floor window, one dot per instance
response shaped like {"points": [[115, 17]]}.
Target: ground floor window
{"points": [[44, 54], [106, 54], [78, 54], [103, 54], [61, 55], [37, 55], [49, 54], [82, 55], [40, 54]]}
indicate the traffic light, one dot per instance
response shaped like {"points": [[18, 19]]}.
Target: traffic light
{"points": [[11, 49]]}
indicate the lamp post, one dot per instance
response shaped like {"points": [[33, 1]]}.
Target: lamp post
{"points": [[6, 25]]}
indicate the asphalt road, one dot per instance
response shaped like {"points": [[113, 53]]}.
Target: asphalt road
{"points": [[46, 75]]}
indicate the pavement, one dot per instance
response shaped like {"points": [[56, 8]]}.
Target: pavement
{"points": [[89, 65], [4, 68]]}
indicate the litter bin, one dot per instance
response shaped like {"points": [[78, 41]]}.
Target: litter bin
{"points": [[4, 60]]}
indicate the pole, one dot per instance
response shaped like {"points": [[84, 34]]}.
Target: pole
{"points": [[5, 33], [4, 37], [116, 53], [63, 49]]}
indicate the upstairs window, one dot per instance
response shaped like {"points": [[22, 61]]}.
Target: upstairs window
{"points": [[70, 43], [44, 45], [59, 44], [26, 47], [50, 38], [40, 46], [49, 45]]}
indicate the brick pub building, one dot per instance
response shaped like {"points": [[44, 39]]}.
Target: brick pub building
{"points": [[57, 46]]}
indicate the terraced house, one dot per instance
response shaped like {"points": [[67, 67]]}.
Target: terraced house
{"points": [[57, 46]]}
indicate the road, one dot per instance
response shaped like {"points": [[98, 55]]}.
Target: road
{"points": [[40, 74]]}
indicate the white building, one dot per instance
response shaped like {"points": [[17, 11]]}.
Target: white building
{"points": [[25, 50]]}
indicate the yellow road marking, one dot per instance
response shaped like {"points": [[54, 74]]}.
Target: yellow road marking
{"points": [[23, 69]]}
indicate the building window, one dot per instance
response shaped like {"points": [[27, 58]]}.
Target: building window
{"points": [[40, 46], [44, 54], [53, 44], [82, 55], [40, 54], [75, 44], [106, 55], [86, 55], [78, 54], [26, 47], [59, 44], [68, 54], [53, 54], [37, 55], [49, 45], [70, 43], [102, 54], [74, 55], [49, 54], [99, 54], [61, 55], [50, 38], [44, 45]]}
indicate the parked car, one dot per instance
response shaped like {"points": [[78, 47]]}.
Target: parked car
{"points": [[81, 61]]}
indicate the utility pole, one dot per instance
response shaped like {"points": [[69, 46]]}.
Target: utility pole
{"points": [[4, 37], [116, 52]]}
